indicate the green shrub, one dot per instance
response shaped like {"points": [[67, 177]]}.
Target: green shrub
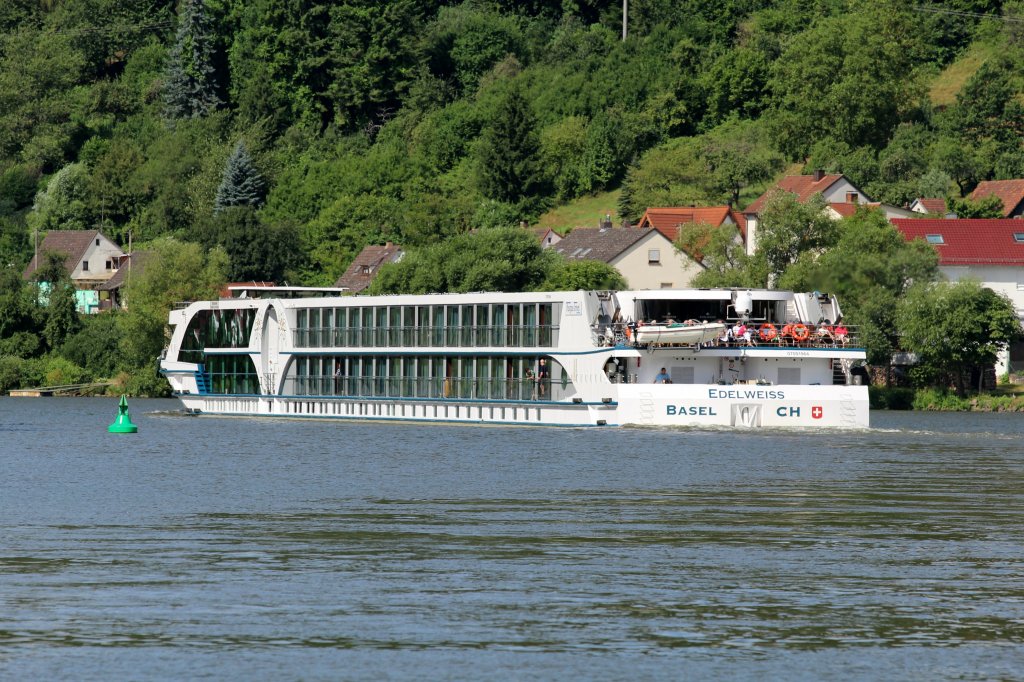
{"points": [[891, 398], [11, 368], [58, 371], [935, 399]]}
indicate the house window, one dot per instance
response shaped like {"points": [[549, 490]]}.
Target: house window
{"points": [[653, 255], [935, 239], [85, 266], [366, 269], [666, 285], [97, 241], [1018, 237], [110, 265]]}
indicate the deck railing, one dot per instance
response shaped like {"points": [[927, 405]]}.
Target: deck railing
{"points": [[793, 335]]}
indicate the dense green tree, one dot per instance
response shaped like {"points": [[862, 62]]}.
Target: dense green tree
{"points": [[509, 166], [17, 189], [986, 106], [870, 268], [241, 184], [61, 317], [986, 207], [573, 275], [668, 175], [19, 312], [464, 41], [372, 61], [40, 74], [851, 76], [955, 328], [489, 260], [256, 251], [736, 84], [958, 160], [737, 155], [94, 347], [790, 229], [190, 90], [175, 271], [722, 255]]}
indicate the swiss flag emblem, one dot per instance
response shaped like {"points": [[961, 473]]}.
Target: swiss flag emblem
{"points": [[816, 412]]}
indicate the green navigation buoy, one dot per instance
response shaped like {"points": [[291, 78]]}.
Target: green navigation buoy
{"points": [[123, 423]]}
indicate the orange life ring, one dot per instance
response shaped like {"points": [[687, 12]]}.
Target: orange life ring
{"points": [[801, 332], [768, 332]]}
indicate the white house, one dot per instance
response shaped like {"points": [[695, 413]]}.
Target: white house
{"points": [[990, 251], [643, 256]]}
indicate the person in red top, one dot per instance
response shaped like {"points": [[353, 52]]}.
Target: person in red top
{"points": [[787, 333], [842, 333]]}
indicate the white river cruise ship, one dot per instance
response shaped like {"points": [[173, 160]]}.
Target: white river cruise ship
{"points": [[672, 357]]}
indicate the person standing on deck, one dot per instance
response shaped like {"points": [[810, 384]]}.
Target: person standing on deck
{"points": [[543, 377]]}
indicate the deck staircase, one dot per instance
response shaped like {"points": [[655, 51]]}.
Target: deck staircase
{"points": [[838, 372], [202, 381]]}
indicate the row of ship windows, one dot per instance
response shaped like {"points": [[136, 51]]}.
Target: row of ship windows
{"points": [[479, 378], [516, 325]]}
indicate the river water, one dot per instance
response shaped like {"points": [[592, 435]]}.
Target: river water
{"points": [[272, 549]]}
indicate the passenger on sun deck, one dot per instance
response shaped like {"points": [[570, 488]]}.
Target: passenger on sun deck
{"points": [[842, 333], [824, 333]]}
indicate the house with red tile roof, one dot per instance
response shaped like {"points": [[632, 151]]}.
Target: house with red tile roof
{"points": [[668, 221], [364, 268], [936, 207], [845, 209], [841, 195], [835, 188], [643, 256], [988, 250], [1010, 192]]}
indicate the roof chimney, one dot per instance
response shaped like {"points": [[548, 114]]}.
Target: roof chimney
{"points": [[388, 245], [819, 173]]}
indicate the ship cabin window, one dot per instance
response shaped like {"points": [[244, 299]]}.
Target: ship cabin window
{"points": [[503, 325], [232, 375], [703, 310], [481, 377], [229, 328]]}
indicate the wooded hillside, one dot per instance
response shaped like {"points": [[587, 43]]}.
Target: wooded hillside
{"points": [[291, 133]]}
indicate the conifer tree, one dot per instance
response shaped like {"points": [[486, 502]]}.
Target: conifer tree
{"points": [[191, 89], [510, 167], [241, 184]]}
